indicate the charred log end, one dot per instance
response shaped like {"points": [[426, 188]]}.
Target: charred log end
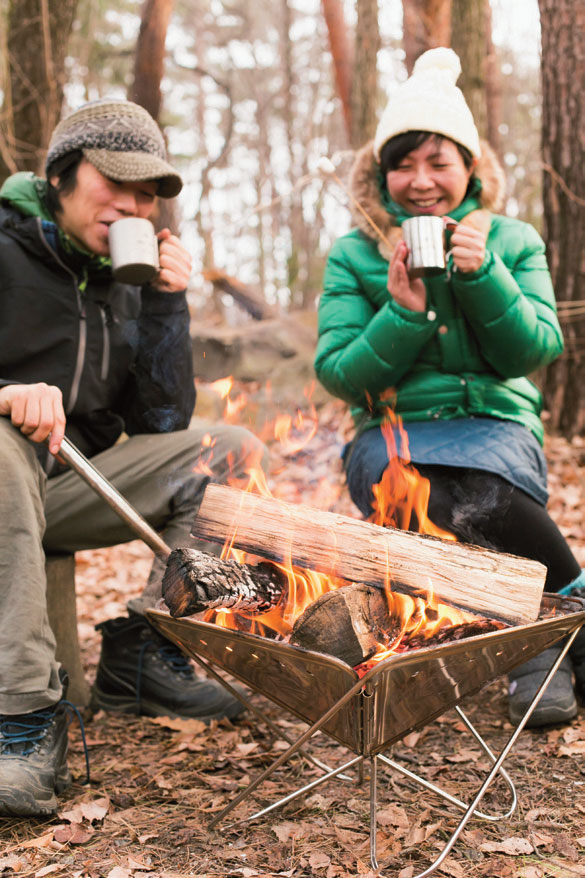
{"points": [[349, 623]]}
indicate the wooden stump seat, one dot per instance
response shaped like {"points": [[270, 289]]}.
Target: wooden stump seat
{"points": [[62, 609]]}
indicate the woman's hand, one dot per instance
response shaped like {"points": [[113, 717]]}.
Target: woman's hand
{"points": [[175, 264], [37, 411], [467, 248], [410, 294]]}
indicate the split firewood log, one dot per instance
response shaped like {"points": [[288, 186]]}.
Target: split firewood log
{"points": [[350, 623], [196, 581]]}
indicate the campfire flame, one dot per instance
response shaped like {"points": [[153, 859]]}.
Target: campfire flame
{"points": [[400, 500]]}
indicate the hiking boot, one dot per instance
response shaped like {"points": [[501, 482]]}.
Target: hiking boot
{"points": [[33, 761], [577, 650], [557, 705], [143, 673]]}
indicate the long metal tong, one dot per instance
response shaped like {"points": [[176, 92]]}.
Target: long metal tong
{"points": [[77, 461]]}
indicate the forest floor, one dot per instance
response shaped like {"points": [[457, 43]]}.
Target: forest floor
{"points": [[156, 783]]}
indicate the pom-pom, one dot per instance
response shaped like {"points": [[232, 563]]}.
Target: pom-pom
{"points": [[436, 60], [325, 165]]}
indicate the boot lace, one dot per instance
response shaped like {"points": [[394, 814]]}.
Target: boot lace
{"points": [[22, 734], [171, 655]]}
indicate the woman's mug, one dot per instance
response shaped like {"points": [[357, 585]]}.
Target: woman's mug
{"points": [[133, 250], [425, 238]]}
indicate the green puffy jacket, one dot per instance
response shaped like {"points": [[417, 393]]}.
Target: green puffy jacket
{"points": [[468, 354]]}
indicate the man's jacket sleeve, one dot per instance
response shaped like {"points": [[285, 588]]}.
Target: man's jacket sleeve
{"points": [[159, 396]]}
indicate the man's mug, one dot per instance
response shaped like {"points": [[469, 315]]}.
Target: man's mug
{"points": [[425, 238], [133, 250]]}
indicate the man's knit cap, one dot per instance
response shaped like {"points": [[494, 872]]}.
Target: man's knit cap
{"points": [[121, 140], [430, 101]]}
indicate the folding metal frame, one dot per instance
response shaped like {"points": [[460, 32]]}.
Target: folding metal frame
{"points": [[366, 715]]}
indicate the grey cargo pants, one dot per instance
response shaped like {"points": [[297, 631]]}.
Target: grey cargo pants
{"points": [[154, 472]]}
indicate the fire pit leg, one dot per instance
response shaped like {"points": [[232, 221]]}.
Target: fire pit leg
{"points": [[288, 753], [472, 808], [207, 666], [373, 809]]}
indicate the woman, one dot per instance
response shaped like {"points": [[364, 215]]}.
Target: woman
{"points": [[454, 349]]}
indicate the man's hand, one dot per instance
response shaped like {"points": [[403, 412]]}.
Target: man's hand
{"points": [[467, 248], [408, 293], [175, 264], [37, 411]]}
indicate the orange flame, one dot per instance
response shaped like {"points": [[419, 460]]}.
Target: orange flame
{"points": [[400, 499], [402, 492]]}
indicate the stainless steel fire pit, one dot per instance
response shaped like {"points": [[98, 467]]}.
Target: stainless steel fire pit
{"points": [[400, 694]]}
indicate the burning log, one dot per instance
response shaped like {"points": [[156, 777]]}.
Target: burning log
{"points": [[195, 581], [488, 583], [349, 623], [354, 622]]}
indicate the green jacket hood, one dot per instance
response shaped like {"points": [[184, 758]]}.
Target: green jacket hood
{"points": [[27, 194], [364, 184]]}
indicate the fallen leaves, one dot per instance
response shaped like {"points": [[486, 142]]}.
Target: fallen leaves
{"points": [[158, 781]]}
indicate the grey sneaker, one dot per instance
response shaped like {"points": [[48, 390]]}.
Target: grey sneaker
{"points": [[557, 705], [33, 761]]}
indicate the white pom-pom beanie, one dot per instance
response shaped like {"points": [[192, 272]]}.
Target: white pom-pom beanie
{"points": [[430, 101]]}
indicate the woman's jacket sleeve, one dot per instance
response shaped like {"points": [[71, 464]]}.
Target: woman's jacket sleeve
{"points": [[511, 307], [363, 351]]}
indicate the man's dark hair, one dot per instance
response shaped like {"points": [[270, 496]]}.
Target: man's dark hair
{"points": [[65, 168], [395, 149]]}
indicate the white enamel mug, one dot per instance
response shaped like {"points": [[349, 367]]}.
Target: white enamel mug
{"points": [[133, 250]]}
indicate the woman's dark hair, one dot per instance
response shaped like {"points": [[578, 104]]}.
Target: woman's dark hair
{"points": [[65, 168], [397, 147]]}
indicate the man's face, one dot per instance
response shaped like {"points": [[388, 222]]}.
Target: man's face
{"points": [[96, 202]]}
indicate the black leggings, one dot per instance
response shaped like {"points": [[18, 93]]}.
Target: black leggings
{"points": [[484, 509]]}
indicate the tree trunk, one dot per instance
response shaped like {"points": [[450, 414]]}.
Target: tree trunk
{"points": [[493, 90], [364, 86], [342, 54], [145, 89], [36, 40], [563, 152], [469, 40], [426, 25], [150, 55]]}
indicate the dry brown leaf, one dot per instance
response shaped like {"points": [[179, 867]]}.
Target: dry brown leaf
{"points": [[408, 872], [530, 872], [95, 810], [411, 740], [138, 864], [180, 725], [246, 749], [13, 862], [41, 841], [348, 838], [535, 813], [453, 868], [393, 815], [49, 870], [464, 755], [119, 872], [514, 847], [577, 748], [285, 831], [319, 860], [75, 833]]}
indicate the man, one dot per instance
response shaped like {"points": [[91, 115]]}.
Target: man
{"points": [[85, 355]]}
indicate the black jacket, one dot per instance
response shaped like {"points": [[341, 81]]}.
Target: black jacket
{"points": [[121, 355]]}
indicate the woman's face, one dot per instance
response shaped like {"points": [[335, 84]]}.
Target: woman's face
{"points": [[431, 180]]}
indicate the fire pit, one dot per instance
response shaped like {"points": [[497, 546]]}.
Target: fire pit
{"points": [[400, 694]]}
